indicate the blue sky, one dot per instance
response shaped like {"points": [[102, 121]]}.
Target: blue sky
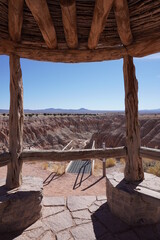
{"points": [[89, 85]]}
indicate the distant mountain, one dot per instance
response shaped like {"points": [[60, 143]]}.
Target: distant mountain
{"points": [[69, 111], [79, 111], [64, 111], [3, 111], [153, 111]]}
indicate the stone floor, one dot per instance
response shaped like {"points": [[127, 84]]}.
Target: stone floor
{"points": [[82, 218]]}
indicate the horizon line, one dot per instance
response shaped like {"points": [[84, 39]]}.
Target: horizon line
{"points": [[75, 109]]}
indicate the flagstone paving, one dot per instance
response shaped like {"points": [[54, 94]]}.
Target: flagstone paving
{"points": [[81, 218]]}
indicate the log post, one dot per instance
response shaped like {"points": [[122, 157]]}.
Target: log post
{"points": [[104, 161], [14, 176], [133, 169], [92, 160]]}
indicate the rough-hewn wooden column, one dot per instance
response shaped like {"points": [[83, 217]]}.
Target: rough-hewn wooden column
{"points": [[133, 169], [14, 177]]}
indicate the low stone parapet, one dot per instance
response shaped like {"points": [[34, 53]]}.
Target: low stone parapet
{"points": [[19, 208], [136, 203]]}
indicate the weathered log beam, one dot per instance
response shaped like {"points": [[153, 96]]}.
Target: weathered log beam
{"points": [[140, 48], [5, 159], [101, 12], [15, 19], [14, 176], [69, 18], [133, 169], [147, 46], [43, 18], [67, 56], [72, 154], [150, 153], [123, 21]]}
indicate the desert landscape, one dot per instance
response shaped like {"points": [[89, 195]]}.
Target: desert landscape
{"points": [[118, 151], [47, 131]]}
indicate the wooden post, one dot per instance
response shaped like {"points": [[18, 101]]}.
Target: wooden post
{"points": [[92, 160], [14, 176], [104, 162], [133, 169]]}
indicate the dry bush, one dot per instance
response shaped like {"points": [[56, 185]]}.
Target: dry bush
{"points": [[98, 164], [155, 169], [98, 167], [45, 166], [57, 167], [122, 161], [147, 163], [110, 162], [151, 166]]}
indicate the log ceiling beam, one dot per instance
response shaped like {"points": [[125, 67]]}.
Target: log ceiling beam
{"points": [[15, 19], [139, 48], [54, 55], [123, 21], [147, 46], [41, 14], [69, 18], [101, 12]]}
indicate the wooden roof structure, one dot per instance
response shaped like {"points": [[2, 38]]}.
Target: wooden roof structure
{"points": [[79, 30]]}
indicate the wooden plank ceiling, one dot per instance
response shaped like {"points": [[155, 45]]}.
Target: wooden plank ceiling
{"points": [[92, 50]]}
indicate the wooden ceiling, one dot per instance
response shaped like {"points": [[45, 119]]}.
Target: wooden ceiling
{"points": [[79, 30]]}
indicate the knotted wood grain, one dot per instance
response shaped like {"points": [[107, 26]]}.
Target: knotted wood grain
{"points": [[133, 168], [14, 172]]}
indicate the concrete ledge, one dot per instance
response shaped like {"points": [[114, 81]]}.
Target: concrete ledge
{"points": [[136, 203], [20, 207]]}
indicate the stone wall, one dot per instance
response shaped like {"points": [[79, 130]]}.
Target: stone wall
{"points": [[20, 207], [135, 204]]}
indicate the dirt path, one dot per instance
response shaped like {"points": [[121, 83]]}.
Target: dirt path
{"points": [[65, 185]]}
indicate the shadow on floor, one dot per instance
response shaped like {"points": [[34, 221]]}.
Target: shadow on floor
{"points": [[106, 226], [109, 227], [10, 236], [80, 176], [53, 176], [84, 189]]}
